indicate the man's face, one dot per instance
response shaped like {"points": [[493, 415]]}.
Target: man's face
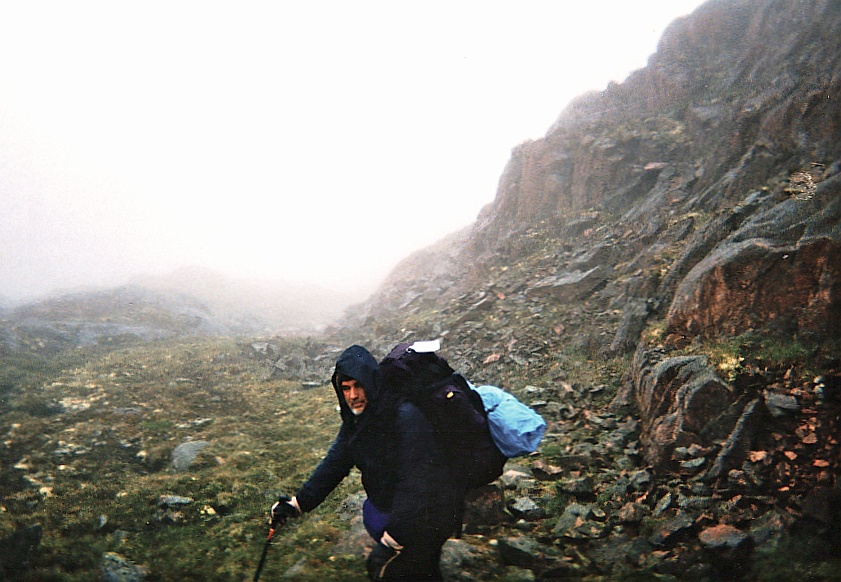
{"points": [[354, 395]]}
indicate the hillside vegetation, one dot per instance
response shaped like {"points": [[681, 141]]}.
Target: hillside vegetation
{"points": [[88, 455]]}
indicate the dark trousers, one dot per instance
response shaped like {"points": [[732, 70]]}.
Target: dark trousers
{"points": [[417, 562]]}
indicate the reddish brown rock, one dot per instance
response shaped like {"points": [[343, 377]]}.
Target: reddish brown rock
{"points": [[729, 548], [722, 536], [755, 285]]}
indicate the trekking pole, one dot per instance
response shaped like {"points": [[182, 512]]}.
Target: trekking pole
{"points": [[272, 528]]}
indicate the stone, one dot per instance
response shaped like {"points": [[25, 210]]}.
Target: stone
{"points": [[511, 478], [692, 465], [722, 536], [753, 281], [639, 479], [669, 529], [679, 399], [525, 508], [729, 548], [579, 486], [484, 506], [767, 527], [780, 404], [458, 557], [551, 409], [543, 471], [570, 285], [520, 551], [173, 500], [633, 512], [578, 522], [633, 320], [185, 454], [737, 446], [116, 568]]}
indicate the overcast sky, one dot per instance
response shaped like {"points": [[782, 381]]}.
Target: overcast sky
{"points": [[307, 141]]}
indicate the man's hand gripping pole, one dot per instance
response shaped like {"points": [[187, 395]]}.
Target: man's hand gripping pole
{"points": [[283, 509]]}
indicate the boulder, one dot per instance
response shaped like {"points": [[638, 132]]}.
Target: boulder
{"points": [[681, 401], [780, 271], [580, 522], [669, 530], [459, 558], [631, 325], [521, 551], [729, 549], [525, 508], [737, 445], [633, 512]]}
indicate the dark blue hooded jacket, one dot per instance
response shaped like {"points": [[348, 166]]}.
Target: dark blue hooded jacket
{"points": [[394, 446]]}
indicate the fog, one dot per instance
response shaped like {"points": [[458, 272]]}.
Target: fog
{"points": [[313, 142]]}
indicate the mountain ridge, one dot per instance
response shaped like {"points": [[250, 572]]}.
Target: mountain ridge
{"points": [[186, 303], [712, 127]]}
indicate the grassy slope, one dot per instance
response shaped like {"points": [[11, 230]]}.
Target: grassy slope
{"points": [[106, 459]]}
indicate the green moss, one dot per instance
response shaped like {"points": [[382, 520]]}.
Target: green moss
{"points": [[157, 425], [785, 561]]}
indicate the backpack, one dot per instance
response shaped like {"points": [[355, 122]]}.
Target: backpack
{"points": [[451, 406]]}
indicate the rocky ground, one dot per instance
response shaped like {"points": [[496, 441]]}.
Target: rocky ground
{"points": [[127, 459], [755, 503], [590, 506], [158, 461]]}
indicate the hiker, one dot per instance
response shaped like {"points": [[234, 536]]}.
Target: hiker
{"points": [[412, 506]]}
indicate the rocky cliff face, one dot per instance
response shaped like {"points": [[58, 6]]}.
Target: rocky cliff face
{"points": [[701, 194], [737, 107], [737, 97], [727, 143], [690, 216]]}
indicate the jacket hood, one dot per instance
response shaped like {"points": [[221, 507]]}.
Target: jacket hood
{"points": [[359, 364]]}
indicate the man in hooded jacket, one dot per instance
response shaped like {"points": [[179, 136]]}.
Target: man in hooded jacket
{"points": [[413, 505]]}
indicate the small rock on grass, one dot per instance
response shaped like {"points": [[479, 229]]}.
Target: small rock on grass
{"points": [[184, 454], [116, 568]]}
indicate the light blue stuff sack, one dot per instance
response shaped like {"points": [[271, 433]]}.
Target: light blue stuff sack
{"points": [[516, 429]]}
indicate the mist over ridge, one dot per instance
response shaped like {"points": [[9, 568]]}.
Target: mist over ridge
{"points": [[259, 142]]}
